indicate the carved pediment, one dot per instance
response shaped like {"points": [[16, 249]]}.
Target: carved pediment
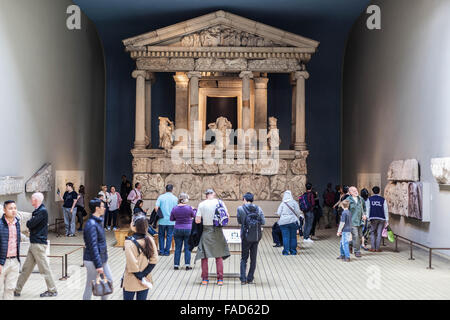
{"points": [[220, 29], [224, 36]]}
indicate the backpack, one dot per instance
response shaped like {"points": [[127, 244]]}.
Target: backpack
{"points": [[252, 227], [329, 198], [304, 203], [220, 215]]}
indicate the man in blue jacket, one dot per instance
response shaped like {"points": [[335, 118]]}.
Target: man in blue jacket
{"points": [[38, 226], [9, 250], [95, 254]]}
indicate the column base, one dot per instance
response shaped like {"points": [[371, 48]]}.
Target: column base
{"points": [[300, 146], [139, 144]]}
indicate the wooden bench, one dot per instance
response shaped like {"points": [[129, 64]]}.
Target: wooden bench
{"points": [[120, 235]]}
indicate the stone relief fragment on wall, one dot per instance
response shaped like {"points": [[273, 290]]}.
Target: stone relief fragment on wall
{"points": [[440, 168], [258, 185], [41, 180], [187, 183], [226, 186], [403, 170], [11, 185], [152, 185], [223, 36]]}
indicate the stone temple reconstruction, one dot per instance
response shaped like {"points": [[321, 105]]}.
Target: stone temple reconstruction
{"points": [[219, 55]]}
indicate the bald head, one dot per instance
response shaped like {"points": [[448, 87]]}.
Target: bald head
{"points": [[353, 191], [37, 199]]}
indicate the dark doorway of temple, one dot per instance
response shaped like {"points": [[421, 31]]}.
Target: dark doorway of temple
{"points": [[221, 107]]}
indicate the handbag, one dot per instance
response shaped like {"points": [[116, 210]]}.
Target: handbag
{"points": [[101, 286], [390, 234], [385, 233]]}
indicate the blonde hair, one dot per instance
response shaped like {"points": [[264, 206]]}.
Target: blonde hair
{"points": [[345, 204]]}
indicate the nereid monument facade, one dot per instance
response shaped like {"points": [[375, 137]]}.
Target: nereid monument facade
{"points": [[219, 55]]}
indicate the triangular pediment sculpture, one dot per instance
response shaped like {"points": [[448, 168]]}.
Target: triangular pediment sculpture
{"points": [[220, 29]]}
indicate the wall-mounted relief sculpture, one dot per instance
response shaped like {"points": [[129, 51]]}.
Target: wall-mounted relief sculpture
{"points": [[440, 168], [273, 137], [77, 177], [403, 170], [219, 128], [41, 180], [11, 185], [166, 129], [405, 194]]}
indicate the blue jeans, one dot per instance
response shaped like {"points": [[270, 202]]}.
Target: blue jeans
{"points": [[309, 219], [289, 234], [152, 231], [182, 236], [165, 233], [140, 295], [345, 239]]}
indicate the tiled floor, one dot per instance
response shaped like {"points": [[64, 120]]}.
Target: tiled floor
{"points": [[313, 274]]}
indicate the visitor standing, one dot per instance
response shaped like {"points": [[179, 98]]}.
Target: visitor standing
{"points": [[135, 195], [328, 202], [166, 202], [317, 210], [81, 212], [141, 257], [106, 200], [357, 207], [366, 225], [182, 215], [9, 250], [38, 226], [69, 199], [251, 219], [212, 241], [289, 212], [345, 231], [95, 255], [307, 203], [343, 195], [114, 205], [378, 215], [125, 189]]}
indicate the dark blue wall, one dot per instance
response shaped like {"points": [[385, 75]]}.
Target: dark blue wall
{"points": [[329, 24]]}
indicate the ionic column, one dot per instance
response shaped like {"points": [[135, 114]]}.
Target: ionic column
{"points": [[293, 82], [181, 100], [150, 79], [246, 115], [139, 139], [193, 76], [300, 128], [260, 103]]}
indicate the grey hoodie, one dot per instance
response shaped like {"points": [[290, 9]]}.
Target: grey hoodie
{"points": [[286, 214]]}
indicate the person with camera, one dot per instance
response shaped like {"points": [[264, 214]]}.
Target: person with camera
{"points": [[95, 254]]}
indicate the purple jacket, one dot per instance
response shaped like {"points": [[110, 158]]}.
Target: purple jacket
{"points": [[182, 215]]}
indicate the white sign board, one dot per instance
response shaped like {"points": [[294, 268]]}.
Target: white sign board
{"points": [[232, 235], [62, 177]]}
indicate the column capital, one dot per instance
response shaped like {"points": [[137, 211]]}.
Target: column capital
{"points": [[192, 74], [150, 76], [261, 83], [246, 74], [301, 74], [139, 73], [181, 80]]}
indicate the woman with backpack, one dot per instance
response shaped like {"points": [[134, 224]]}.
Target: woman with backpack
{"points": [[289, 212], [141, 257]]}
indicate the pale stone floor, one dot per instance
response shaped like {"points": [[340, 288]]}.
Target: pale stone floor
{"points": [[313, 274]]}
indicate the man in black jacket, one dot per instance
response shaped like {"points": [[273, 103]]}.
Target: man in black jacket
{"points": [[9, 250], [38, 226], [95, 254]]}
